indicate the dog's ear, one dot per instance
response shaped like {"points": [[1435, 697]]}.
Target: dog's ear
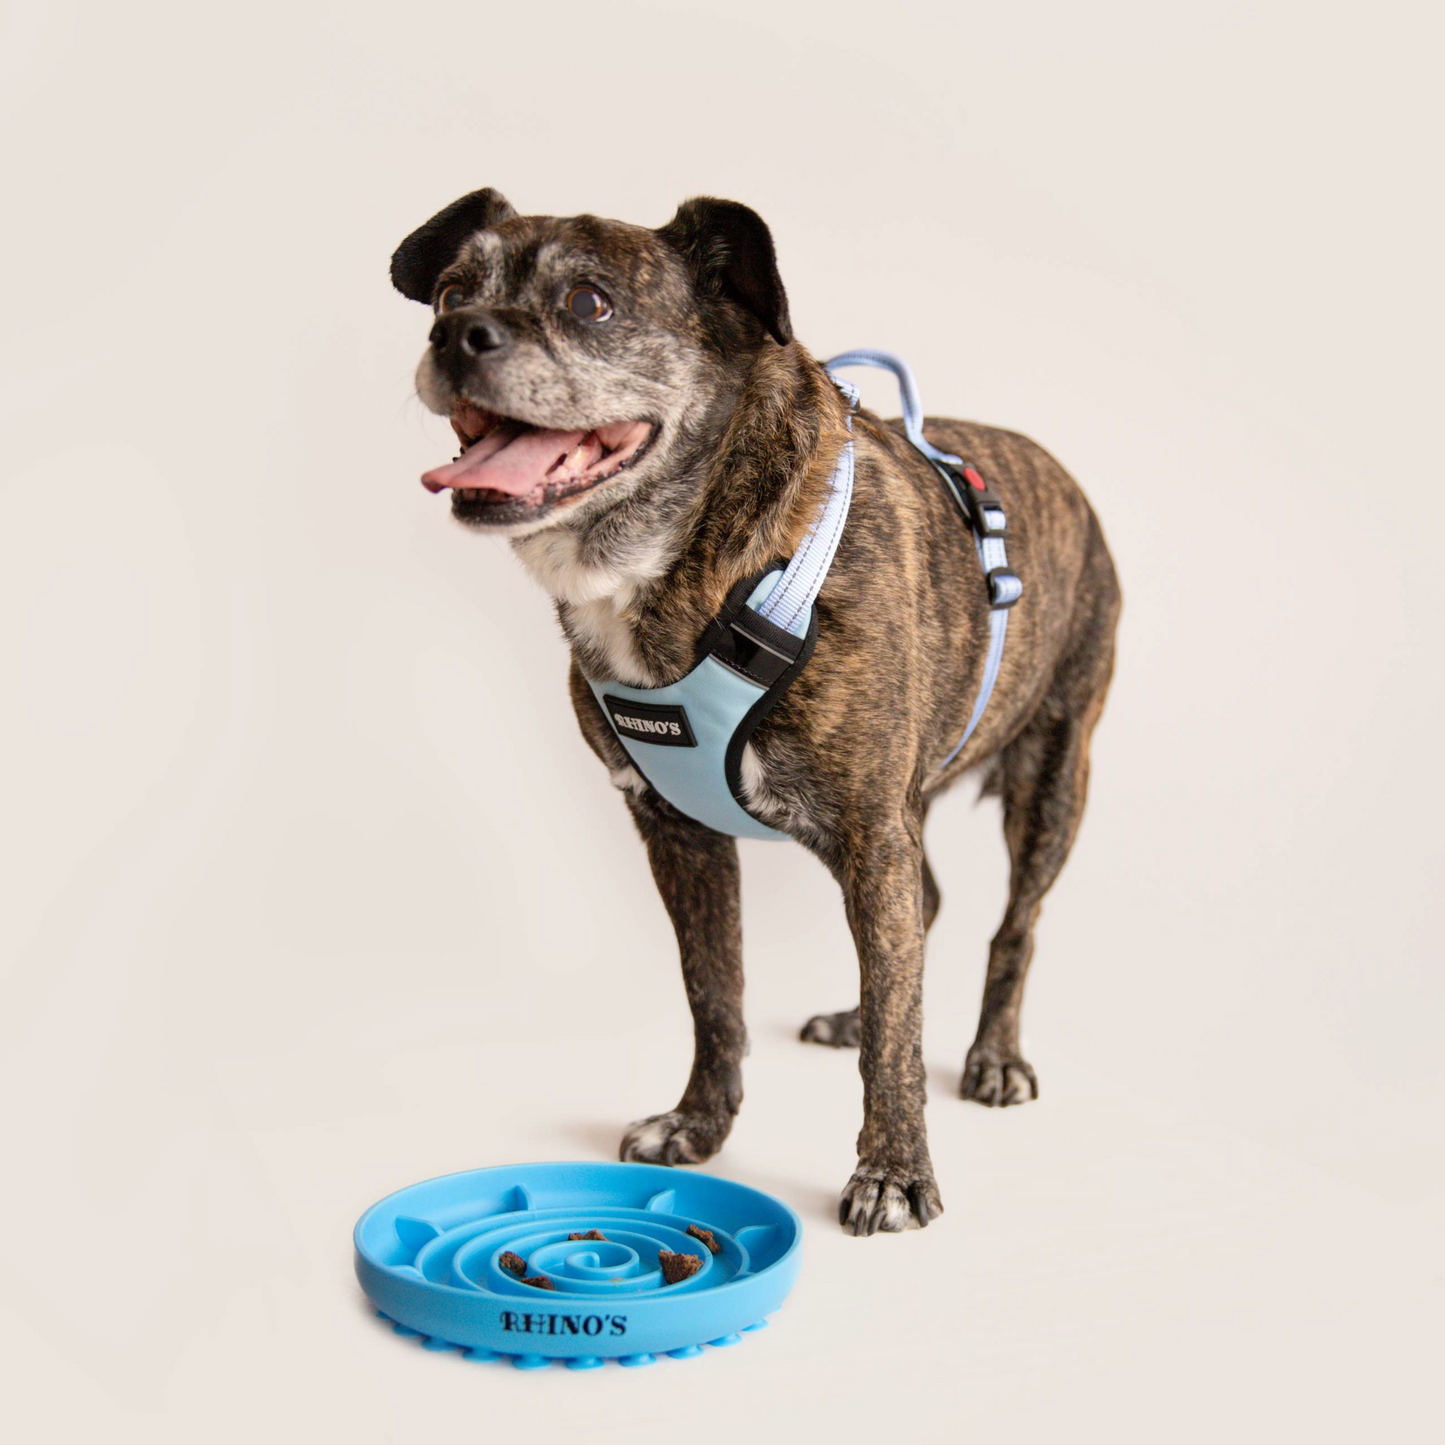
{"points": [[430, 249], [730, 250]]}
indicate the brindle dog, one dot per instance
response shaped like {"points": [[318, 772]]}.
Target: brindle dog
{"points": [[637, 416]]}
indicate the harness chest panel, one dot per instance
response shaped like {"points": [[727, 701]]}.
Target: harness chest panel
{"points": [[687, 739]]}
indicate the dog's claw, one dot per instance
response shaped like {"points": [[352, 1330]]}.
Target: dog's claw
{"points": [[888, 1200], [997, 1081], [924, 1200]]}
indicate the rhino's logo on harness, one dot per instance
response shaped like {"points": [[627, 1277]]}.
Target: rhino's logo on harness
{"points": [[647, 722], [647, 725]]}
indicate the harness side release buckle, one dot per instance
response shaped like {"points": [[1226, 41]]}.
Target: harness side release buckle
{"points": [[981, 505]]}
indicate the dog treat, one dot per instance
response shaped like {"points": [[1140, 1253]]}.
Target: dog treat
{"points": [[539, 1281], [591, 1234], [706, 1237], [678, 1267], [513, 1262]]}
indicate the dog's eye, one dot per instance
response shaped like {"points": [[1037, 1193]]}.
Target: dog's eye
{"points": [[451, 297], [587, 303]]}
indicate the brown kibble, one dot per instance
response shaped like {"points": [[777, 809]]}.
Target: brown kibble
{"points": [[706, 1237], [678, 1267], [539, 1281], [591, 1234], [513, 1262]]}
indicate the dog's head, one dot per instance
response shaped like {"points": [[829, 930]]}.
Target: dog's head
{"points": [[578, 358]]}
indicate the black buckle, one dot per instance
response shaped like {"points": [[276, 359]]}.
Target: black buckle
{"points": [[982, 506], [1005, 587], [757, 649]]}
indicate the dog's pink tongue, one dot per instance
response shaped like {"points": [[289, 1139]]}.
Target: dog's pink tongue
{"points": [[499, 462]]}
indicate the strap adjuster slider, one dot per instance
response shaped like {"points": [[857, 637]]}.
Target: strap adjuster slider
{"points": [[988, 515], [1004, 587]]}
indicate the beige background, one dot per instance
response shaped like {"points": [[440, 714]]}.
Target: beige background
{"points": [[312, 889]]}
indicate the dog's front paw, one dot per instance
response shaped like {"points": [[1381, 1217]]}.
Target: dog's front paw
{"points": [[672, 1138], [890, 1199], [996, 1079], [839, 1031]]}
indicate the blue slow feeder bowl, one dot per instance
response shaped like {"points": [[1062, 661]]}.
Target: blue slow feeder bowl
{"points": [[429, 1256]]}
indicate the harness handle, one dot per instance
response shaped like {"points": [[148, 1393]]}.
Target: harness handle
{"points": [[908, 389]]}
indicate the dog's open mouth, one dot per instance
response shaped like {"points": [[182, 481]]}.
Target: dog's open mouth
{"points": [[509, 470]]}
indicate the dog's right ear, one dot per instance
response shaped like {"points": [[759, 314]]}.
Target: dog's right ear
{"points": [[430, 249]]}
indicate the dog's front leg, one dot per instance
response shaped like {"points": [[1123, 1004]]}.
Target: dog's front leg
{"points": [[882, 877], [696, 871]]}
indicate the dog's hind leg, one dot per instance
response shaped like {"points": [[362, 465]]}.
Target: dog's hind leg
{"points": [[841, 1030], [696, 871], [1043, 777]]}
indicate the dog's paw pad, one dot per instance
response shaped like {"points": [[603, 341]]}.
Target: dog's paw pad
{"points": [[671, 1138], [890, 1200], [838, 1031], [996, 1081]]}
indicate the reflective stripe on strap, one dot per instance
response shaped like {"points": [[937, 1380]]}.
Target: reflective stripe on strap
{"points": [[790, 604]]}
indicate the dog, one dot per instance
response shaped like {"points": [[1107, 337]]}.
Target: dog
{"points": [[639, 420]]}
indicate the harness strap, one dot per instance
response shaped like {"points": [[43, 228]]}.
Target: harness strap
{"points": [[790, 604], [1004, 585], [980, 508]]}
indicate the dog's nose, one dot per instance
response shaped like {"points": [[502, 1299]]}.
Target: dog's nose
{"points": [[467, 334]]}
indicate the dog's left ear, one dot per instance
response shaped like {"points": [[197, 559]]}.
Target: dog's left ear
{"points": [[730, 250], [430, 249]]}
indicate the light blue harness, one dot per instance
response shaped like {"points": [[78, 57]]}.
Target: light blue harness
{"points": [[687, 739]]}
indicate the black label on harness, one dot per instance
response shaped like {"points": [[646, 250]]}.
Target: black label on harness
{"points": [[650, 722]]}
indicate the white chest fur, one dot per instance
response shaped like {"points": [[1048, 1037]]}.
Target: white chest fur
{"points": [[597, 594]]}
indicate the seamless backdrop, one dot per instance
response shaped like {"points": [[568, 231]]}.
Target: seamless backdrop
{"points": [[311, 888]]}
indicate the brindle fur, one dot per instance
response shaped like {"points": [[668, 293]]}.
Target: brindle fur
{"points": [[849, 761]]}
